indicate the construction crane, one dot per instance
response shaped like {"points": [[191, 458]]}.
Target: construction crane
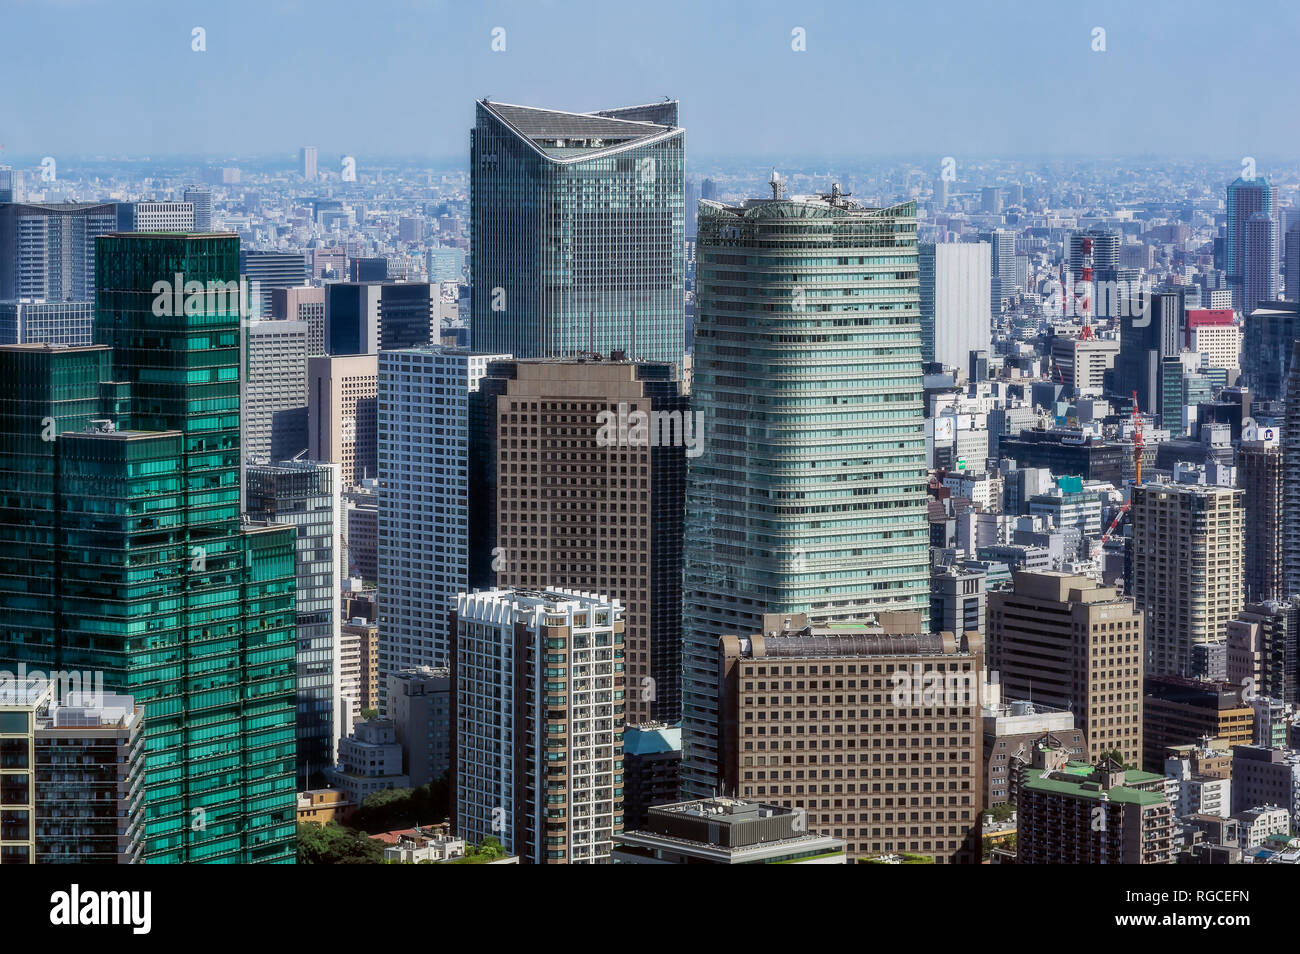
{"points": [[1137, 460]]}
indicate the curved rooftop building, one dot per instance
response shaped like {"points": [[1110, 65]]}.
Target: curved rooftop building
{"points": [[577, 225]]}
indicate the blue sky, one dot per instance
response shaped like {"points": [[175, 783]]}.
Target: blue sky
{"points": [[399, 77]]}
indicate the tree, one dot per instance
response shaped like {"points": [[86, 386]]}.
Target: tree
{"points": [[335, 844]]}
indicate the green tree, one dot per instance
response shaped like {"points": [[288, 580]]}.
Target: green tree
{"points": [[335, 844]]}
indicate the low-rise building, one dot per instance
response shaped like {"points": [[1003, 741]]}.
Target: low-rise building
{"points": [[726, 831]]}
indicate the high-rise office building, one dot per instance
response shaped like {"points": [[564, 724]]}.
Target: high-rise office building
{"points": [[47, 250], [445, 264], [408, 315], [914, 691], [1002, 266], [342, 407], [692, 199], [810, 493], [604, 507], [352, 317], [577, 232], [72, 774], [955, 310], [157, 216], [1082, 363], [47, 322], [274, 404], [538, 716], [368, 270], [11, 185], [305, 495], [1064, 641], [137, 431], [1154, 331], [1187, 569], [265, 270], [302, 303], [1291, 485], [1246, 199], [1259, 268], [307, 163], [991, 200], [1260, 477], [200, 197], [423, 536], [1268, 338]]}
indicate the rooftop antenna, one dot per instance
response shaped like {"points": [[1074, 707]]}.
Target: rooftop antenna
{"points": [[778, 186]]}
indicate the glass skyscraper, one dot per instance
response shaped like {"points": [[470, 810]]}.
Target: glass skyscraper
{"points": [[126, 552], [306, 495], [810, 494], [577, 224], [1246, 253]]}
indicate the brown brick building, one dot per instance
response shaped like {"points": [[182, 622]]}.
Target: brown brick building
{"points": [[873, 730]]}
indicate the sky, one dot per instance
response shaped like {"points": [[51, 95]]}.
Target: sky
{"points": [[875, 79]]}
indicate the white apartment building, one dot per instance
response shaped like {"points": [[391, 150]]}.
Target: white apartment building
{"points": [[537, 679], [423, 523]]}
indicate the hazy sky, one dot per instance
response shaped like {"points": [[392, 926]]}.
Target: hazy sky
{"points": [[399, 77]]}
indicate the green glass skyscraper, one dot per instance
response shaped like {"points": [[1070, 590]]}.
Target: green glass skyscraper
{"points": [[577, 223], [120, 464], [810, 494]]}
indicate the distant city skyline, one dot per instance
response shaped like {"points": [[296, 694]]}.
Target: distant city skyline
{"points": [[956, 79]]}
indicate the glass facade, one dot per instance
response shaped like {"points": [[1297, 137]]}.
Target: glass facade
{"points": [[144, 570], [810, 494], [305, 495], [577, 225]]}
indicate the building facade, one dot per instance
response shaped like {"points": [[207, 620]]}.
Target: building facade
{"points": [[793, 414], [600, 198]]}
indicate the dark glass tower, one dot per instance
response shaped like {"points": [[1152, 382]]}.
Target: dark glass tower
{"points": [[120, 465], [578, 230]]}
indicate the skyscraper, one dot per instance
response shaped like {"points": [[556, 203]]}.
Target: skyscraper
{"points": [[302, 303], [423, 537], [577, 231], [1259, 261], [265, 270], [274, 404], [762, 728], [307, 163], [1260, 476], [408, 315], [1187, 569], [341, 413], [11, 184], [616, 523], [1153, 331], [305, 495], [1064, 641], [1247, 198], [538, 715], [352, 317], [1002, 265], [955, 308], [201, 198], [47, 250], [135, 561], [809, 495], [1291, 486]]}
